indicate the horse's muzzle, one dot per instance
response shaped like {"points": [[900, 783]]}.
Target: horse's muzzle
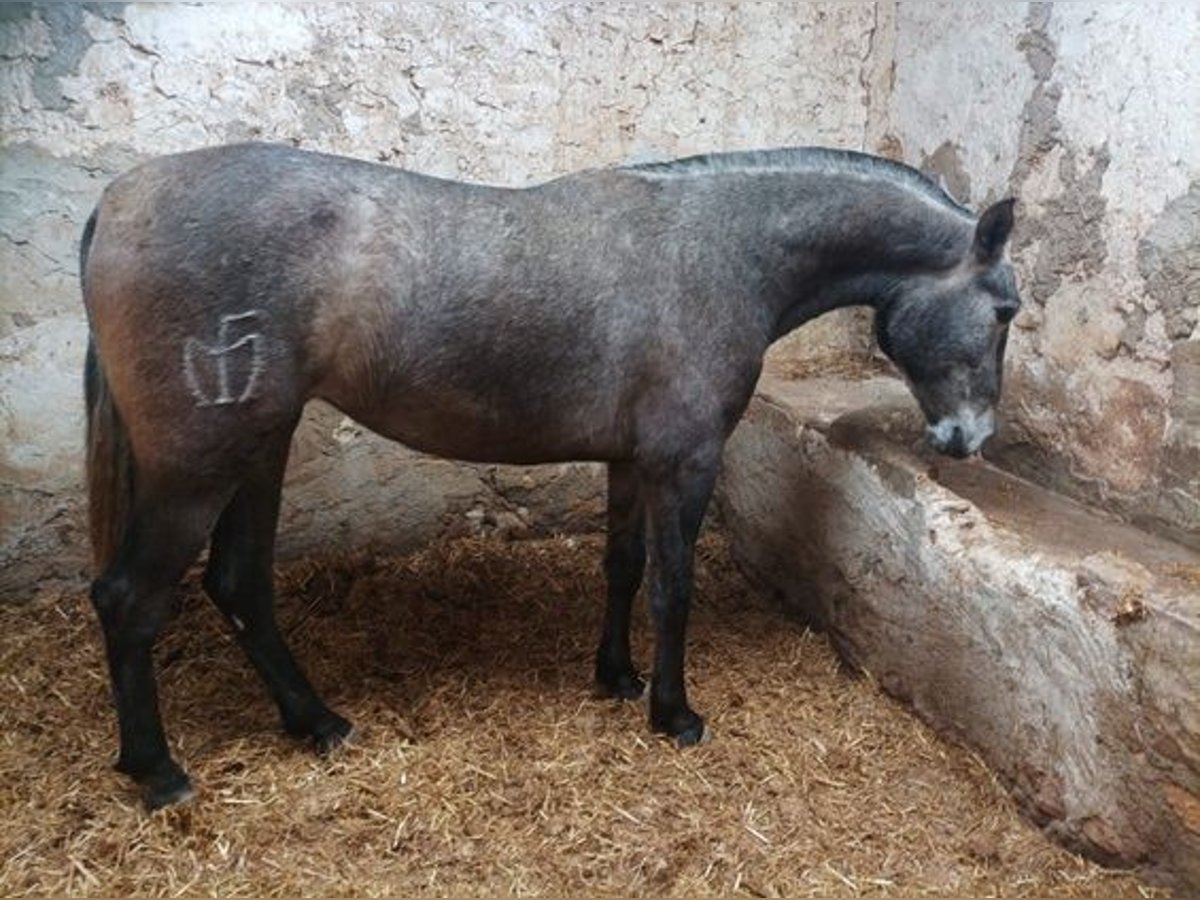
{"points": [[955, 446], [963, 435]]}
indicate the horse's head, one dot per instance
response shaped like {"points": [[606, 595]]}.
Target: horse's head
{"points": [[947, 333]]}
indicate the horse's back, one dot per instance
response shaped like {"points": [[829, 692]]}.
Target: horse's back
{"points": [[233, 284]]}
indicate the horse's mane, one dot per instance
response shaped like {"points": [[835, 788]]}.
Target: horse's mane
{"points": [[820, 160]]}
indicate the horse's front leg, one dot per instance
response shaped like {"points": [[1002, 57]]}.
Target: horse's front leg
{"points": [[675, 507], [624, 563]]}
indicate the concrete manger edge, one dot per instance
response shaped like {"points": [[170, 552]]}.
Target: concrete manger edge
{"points": [[1061, 644]]}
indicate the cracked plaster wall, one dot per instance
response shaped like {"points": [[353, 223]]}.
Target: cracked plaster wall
{"points": [[504, 93], [1085, 111], [1089, 114]]}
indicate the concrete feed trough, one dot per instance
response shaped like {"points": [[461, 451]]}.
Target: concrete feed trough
{"points": [[1062, 644]]}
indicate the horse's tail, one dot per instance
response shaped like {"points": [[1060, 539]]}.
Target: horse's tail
{"points": [[109, 462]]}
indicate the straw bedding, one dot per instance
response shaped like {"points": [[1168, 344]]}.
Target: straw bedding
{"points": [[483, 764]]}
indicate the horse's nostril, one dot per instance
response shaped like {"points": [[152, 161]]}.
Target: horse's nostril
{"points": [[957, 445]]}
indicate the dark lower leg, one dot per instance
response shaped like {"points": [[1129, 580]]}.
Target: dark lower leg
{"points": [[143, 750], [301, 710], [615, 671], [674, 514], [239, 580], [670, 599], [133, 601], [624, 562]]}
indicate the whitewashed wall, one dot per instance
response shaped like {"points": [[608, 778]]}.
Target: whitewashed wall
{"points": [[500, 92], [1088, 113]]}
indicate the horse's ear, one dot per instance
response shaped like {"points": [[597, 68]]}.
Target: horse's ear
{"points": [[992, 231]]}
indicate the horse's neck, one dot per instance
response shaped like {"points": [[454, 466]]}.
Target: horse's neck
{"points": [[863, 290], [852, 248]]}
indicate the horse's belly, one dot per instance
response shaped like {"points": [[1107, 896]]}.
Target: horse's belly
{"points": [[473, 431]]}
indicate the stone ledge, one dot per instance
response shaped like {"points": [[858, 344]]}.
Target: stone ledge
{"points": [[1062, 644]]}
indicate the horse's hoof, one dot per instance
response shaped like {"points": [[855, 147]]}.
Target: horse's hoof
{"points": [[625, 686], [685, 726], [688, 740], [169, 788], [331, 734], [693, 735]]}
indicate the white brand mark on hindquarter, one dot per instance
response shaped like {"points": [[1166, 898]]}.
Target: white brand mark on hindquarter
{"points": [[220, 353]]}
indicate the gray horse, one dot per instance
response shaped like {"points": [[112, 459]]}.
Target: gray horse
{"points": [[618, 315]]}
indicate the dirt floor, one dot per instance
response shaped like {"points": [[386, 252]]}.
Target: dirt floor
{"points": [[483, 765]]}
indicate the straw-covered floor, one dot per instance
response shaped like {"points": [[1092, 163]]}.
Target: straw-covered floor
{"points": [[483, 765]]}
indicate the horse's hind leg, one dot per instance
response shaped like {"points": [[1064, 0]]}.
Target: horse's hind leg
{"points": [[624, 563], [133, 601], [239, 580]]}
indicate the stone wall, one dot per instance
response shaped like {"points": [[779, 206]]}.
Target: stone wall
{"points": [[505, 93], [1083, 111], [1087, 113]]}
